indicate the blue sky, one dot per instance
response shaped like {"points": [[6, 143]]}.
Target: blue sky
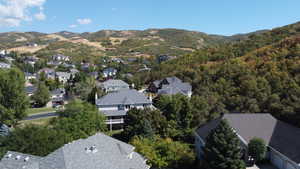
{"points": [[224, 17]]}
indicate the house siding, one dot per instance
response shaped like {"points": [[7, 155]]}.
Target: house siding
{"points": [[280, 161]]}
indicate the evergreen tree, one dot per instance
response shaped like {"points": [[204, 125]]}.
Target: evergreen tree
{"points": [[13, 100], [222, 149], [42, 95]]}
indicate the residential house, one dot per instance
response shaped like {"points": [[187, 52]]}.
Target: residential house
{"points": [[60, 57], [9, 59], [74, 71], [49, 73], [58, 97], [114, 85], [4, 130], [117, 60], [58, 93], [115, 105], [31, 60], [87, 66], [63, 77], [109, 72], [29, 90], [281, 138], [95, 152], [54, 63], [145, 68], [31, 44], [170, 86], [5, 65], [3, 53], [163, 58], [29, 76]]}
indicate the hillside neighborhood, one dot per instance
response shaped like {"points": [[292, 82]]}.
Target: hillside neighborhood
{"points": [[149, 98]]}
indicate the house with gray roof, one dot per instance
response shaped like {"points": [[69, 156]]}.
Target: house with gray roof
{"points": [[109, 72], [29, 76], [29, 90], [170, 86], [95, 152], [115, 105], [281, 138], [49, 73], [112, 85], [63, 77], [4, 65], [60, 57]]}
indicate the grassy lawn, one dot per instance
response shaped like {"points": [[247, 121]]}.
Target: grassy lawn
{"points": [[31, 111], [42, 122]]}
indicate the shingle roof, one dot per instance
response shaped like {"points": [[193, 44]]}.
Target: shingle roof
{"points": [[10, 161], [277, 134], [123, 97], [173, 79], [58, 91], [175, 88], [113, 82], [107, 153], [63, 74], [30, 89]]}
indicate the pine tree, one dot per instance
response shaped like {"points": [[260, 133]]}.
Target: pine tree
{"points": [[222, 149], [41, 95]]}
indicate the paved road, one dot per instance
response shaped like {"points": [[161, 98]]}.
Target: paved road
{"points": [[41, 116]]}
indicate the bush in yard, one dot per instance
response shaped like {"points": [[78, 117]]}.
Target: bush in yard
{"points": [[257, 149]]}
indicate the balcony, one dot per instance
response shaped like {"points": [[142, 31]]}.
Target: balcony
{"points": [[114, 121]]}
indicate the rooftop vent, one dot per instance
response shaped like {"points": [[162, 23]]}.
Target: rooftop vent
{"points": [[26, 159], [91, 149], [18, 157], [9, 155]]}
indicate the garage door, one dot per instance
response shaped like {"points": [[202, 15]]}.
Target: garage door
{"points": [[277, 161], [290, 166]]}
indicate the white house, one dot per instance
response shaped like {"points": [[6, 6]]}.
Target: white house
{"points": [[281, 138], [116, 104]]}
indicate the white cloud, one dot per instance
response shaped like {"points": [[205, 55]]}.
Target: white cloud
{"points": [[13, 12], [84, 21], [72, 26], [40, 16]]}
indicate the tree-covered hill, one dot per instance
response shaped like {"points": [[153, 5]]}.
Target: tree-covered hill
{"points": [[257, 75]]}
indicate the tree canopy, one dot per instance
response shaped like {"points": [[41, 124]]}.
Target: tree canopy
{"points": [[13, 100]]}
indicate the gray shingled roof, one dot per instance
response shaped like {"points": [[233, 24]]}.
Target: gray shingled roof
{"points": [[175, 88], [10, 161], [108, 153], [30, 89], [173, 79], [277, 134], [63, 74], [123, 97], [114, 83]]}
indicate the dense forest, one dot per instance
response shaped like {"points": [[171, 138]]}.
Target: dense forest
{"points": [[258, 75]]}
